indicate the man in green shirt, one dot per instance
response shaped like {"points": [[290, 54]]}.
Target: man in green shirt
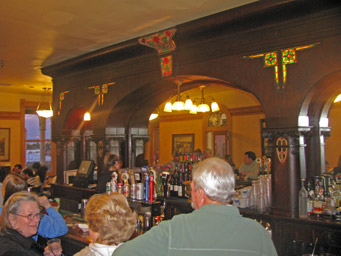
{"points": [[215, 228], [249, 168]]}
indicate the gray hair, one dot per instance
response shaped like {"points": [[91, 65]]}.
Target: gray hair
{"points": [[13, 206], [215, 176]]}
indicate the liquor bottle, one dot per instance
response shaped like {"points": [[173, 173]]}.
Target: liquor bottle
{"points": [[302, 201], [171, 185], [132, 184], [176, 182], [151, 187]]}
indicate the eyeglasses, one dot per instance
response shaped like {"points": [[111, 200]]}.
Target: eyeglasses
{"points": [[30, 217]]}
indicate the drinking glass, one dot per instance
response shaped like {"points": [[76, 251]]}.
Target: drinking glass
{"points": [[55, 246]]}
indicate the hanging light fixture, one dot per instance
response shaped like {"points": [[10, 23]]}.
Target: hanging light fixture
{"points": [[178, 104], [338, 98], [168, 107], [203, 107], [44, 112]]}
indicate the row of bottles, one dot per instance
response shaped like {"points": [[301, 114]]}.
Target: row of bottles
{"points": [[321, 197]]}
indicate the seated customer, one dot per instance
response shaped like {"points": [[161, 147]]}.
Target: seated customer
{"points": [[52, 224], [32, 181], [18, 223], [214, 228], [249, 168], [111, 222]]}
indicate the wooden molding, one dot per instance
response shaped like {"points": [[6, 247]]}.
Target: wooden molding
{"points": [[10, 115], [253, 110]]}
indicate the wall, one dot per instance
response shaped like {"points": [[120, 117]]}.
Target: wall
{"points": [[168, 128], [10, 117], [333, 150], [246, 136]]}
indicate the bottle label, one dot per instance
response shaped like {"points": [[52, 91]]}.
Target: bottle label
{"points": [[180, 191]]}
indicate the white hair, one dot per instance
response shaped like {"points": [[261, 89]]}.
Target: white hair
{"points": [[216, 177]]}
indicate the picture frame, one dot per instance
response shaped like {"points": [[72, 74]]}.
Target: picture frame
{"points": [[183, 143], [5, 144]]}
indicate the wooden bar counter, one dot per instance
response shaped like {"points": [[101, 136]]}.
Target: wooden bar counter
{"points": [[291, 236]]}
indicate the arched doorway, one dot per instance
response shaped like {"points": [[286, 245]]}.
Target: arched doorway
{"points": [[318, 106]]}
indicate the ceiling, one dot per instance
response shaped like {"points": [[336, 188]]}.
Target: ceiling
{"points": [[38, 33]]}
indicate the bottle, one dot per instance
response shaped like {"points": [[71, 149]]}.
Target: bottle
{"points": [[151, 188], [302, 201]]}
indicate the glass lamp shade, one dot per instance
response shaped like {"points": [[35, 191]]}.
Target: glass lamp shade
{"points": [[203, 107], [188, 104], [194, 109], [87, 116], [215, 106], [178, 105], [168, 107], [45, 113], [153, 116]]}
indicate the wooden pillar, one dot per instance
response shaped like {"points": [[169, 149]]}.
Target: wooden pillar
{"points": [[286, 160]]}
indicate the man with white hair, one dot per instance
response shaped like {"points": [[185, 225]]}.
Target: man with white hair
{"points": [[214, 228]]}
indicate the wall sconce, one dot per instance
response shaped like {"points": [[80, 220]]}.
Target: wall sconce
{"points": [[46, 113], [87, 116], [154, 115]]}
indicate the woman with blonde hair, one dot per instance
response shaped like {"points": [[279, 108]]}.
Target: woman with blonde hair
{"points": [[111, 222]]}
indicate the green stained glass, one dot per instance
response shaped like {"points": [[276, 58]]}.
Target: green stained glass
{"points": [[104, 88], [289, 56], [97, 89], [270, 59]]}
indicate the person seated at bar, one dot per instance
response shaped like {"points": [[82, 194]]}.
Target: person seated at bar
{"points": [[35, 167], [208, 153], [51, 224], [33, 181], [215, 227], [19, 221], [111, 222], [249, 168], [17, 169], [113, 166], [176, 160]]}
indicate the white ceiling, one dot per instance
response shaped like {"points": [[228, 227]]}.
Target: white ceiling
{"points": [[38, 33]]}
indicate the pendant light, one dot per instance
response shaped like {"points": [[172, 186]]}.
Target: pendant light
{"points": [[41, 111]]}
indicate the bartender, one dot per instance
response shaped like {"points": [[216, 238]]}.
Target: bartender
{"points": [[113, 165], [249, 168]]}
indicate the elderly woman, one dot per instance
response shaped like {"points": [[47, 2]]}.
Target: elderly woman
{"points": [[52, 224], [19, 221], [111, 222]]}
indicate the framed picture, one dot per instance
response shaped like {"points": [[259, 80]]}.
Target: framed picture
{"points": [[4, 144], [183, 143]]}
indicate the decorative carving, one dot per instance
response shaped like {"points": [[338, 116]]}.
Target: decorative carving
{"points": [[161, 41], [288, 57], [61, 98], [100, 90]]}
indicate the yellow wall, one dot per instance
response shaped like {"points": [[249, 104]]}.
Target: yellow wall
{"points": [[246, 136], [333, 149], [168, 128], [10, 118]]}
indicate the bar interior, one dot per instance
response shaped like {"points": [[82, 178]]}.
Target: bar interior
{"points": [[264, 77]]}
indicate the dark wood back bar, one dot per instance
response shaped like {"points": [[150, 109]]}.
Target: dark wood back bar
{"points": [[291, 236]]}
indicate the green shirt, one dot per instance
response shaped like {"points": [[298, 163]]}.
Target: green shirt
{"points": [[213, 230]]}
